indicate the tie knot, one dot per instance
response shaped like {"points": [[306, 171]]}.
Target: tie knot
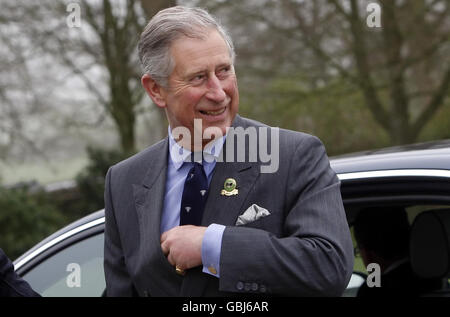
{"points": [[198, 169]]}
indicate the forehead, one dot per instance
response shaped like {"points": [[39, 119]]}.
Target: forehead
{"points": [[197, 54]]}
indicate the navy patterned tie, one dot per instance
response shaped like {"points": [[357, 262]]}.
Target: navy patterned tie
{"points": [[194, 196]]}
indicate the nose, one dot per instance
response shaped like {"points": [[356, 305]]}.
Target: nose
{"points": [[215, 90]]}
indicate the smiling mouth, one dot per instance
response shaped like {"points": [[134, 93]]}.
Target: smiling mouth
{"points": [[213, 113]]}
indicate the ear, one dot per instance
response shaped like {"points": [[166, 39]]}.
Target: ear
{"points": [[154, 90]]}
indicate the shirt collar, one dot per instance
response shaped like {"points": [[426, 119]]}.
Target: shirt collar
{"points": [[179, 155]]}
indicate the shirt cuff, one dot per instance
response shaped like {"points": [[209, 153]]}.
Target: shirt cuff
{"points": [[211, 246]]}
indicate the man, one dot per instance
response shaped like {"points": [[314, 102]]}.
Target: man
{"points": [[12, 285], [240, 230], [382, 234]]}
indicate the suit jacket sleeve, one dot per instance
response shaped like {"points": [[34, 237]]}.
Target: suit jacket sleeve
{"points": [[12, 285], [118, 281], [314, 255]]}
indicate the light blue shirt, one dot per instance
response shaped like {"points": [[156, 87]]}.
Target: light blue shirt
{"points": [[177, 170]]}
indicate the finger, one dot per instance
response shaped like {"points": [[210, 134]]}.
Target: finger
{"points": [[165, 248], [163, 237], [171, 259]]}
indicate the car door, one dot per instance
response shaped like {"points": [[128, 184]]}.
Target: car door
{"points": [[72, 267], [415, 193]]}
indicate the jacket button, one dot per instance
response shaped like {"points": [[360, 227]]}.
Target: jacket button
{"points": [[240, 286]]}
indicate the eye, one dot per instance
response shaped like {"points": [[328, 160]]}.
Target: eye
{"points": [[224, 71], [198, 78]]}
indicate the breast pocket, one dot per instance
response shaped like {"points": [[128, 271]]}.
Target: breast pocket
{"points": [[272, 223]]}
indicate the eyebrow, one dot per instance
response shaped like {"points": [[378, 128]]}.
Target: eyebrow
{"points": [[200, 71]]}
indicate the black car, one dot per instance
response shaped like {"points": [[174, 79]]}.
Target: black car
{"points": [[415, 177]]}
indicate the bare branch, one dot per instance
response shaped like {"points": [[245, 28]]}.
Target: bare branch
{"points": [[435, 103], [292, 32], [426, 52], [340, 9], [89, 84], [393, 42], [365, 79]]}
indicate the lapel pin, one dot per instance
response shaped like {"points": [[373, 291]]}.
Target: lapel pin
{"points": [[229, 187]]}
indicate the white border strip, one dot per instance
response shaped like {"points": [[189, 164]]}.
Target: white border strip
{"points": [[58, 239], [396, 173]]}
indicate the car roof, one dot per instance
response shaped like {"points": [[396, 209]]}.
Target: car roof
{"points": [[87, 222], [430, 155]]}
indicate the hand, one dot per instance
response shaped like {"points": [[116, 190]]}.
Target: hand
{"points": [[183, 246]]}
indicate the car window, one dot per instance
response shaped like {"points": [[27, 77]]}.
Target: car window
{"points": [[77, 270], [359, 269], [411, 211]]}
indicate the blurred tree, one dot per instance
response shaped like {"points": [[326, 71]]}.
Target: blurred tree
{"points": [[396, 76], [401, 70], [25, 219], [102, 54], [20, 97], [118, 32], [91, 180], [151, 7], [410, 63]]}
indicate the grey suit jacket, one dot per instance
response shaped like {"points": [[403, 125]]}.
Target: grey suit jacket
{"points": [[302, 248]]}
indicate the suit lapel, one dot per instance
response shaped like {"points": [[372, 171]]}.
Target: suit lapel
{"points": [[149, 201], [225, 209], [149, 196]]}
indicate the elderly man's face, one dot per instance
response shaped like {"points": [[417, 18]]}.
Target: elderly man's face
{"points": [[202, 85]]}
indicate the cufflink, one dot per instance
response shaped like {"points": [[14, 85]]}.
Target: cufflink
{"points": [[212, 270]]}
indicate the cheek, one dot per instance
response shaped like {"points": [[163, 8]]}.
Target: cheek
{"points": [[184, 96], [190, 98], [232, 91], [231, 87]]}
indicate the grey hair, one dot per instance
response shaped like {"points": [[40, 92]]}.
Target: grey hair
{"points": [[167, 26]]}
